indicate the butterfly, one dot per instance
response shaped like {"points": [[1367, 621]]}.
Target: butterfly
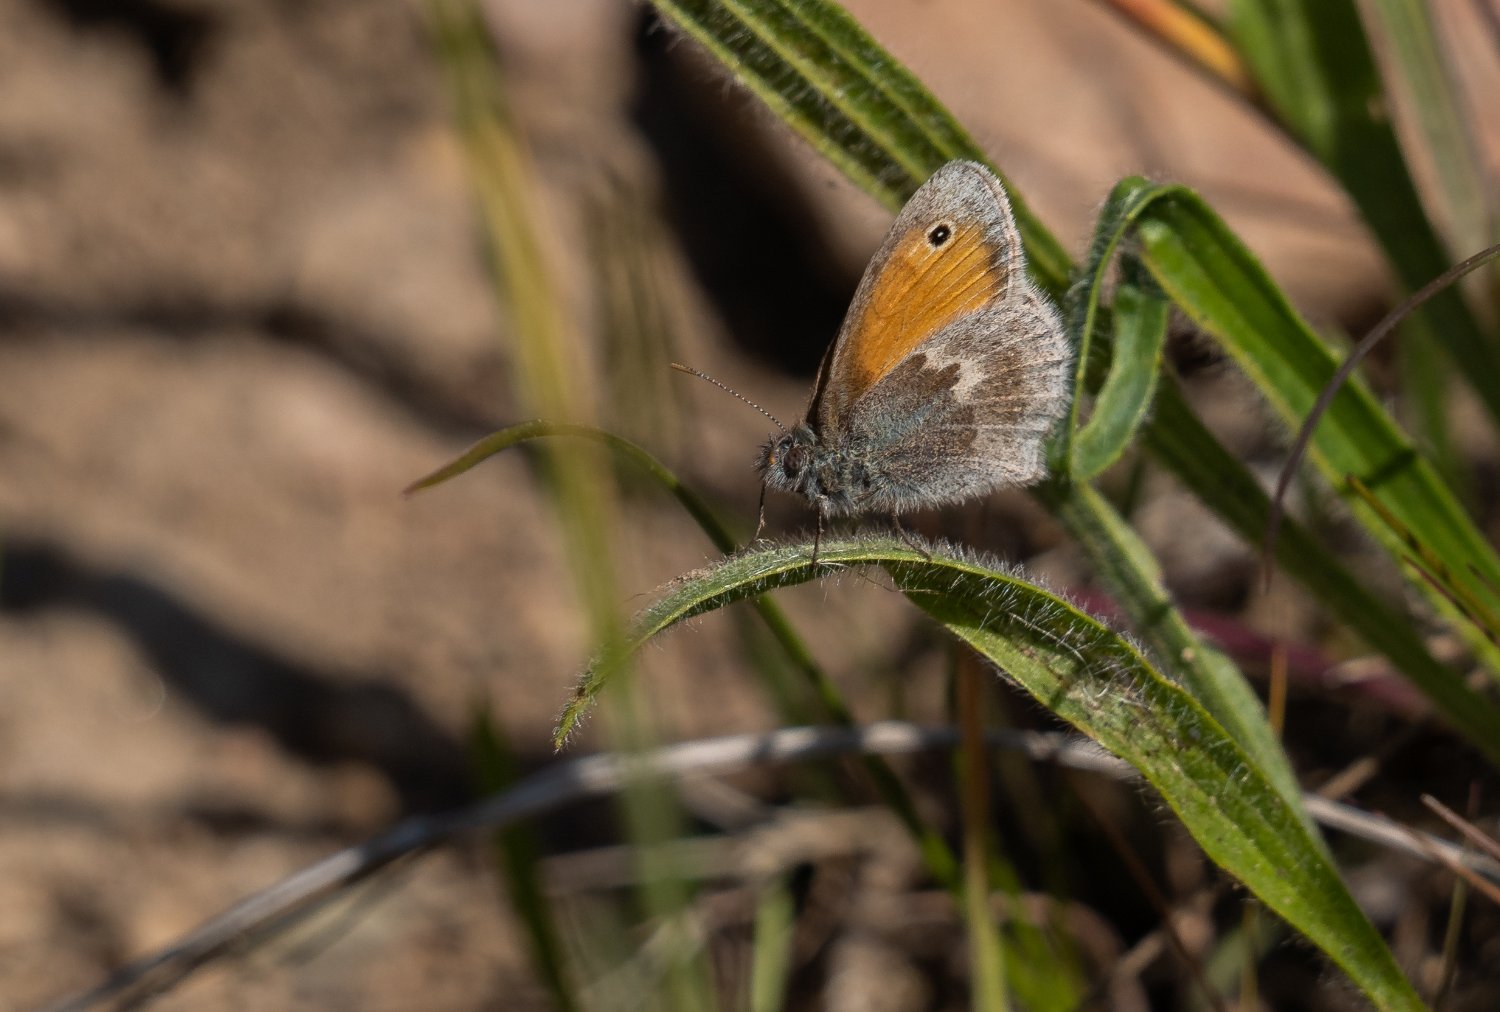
{"points": [[949, 373]]}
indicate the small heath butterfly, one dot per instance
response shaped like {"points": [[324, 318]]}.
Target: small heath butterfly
{"points": [[948, 374]]}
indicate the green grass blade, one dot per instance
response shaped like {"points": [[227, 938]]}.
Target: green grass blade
{"points": [[1210, 274], [1313, 61], [1456, 588], [525, 432], [1426, 397], [1179, 440], [518, 856], [771, 956], [822, 74], [543, 343], [1422, 71], [988, 950], [1225, 485], [1094, 679], [1140, 321], [1127, 567]]}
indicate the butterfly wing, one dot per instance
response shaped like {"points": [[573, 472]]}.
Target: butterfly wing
{"points": [[968, 411], [952, 251], [951, 368]]}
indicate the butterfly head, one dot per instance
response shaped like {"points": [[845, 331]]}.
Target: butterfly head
{"points": [[790, 462]]}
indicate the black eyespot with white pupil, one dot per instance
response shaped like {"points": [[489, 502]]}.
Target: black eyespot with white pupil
{"points": [[939, 235]]}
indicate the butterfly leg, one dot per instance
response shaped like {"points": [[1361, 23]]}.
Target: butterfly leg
{"points": [[760, 519], [817, 536], [906, 536]]}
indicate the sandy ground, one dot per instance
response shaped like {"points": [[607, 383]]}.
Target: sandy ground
{"points": [[244, 300]]}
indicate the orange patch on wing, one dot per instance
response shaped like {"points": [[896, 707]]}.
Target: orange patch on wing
{"points": [[917, 292]]}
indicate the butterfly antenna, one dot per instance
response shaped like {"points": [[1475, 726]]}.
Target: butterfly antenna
{"points": [[728, 390]]}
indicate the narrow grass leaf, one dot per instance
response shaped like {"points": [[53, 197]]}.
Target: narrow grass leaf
{"points": [[988, 951], [519, 859], [1209, 273], [771, 952], [1123, 402], [826, 78], [1091, 677], [1177, 438], [1425, 73], [1087, 675], [1084, 307], [1313, 60], [1126, 566], [1455, 588], [526, 432]]}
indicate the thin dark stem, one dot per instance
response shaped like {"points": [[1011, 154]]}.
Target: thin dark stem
{"points": [[1331, 388]]}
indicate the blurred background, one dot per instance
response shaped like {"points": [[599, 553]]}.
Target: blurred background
{"points": [[246, 297]]}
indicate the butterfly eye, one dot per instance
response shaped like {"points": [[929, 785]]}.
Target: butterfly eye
{"points": [[794, 460], [939, 235]]}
